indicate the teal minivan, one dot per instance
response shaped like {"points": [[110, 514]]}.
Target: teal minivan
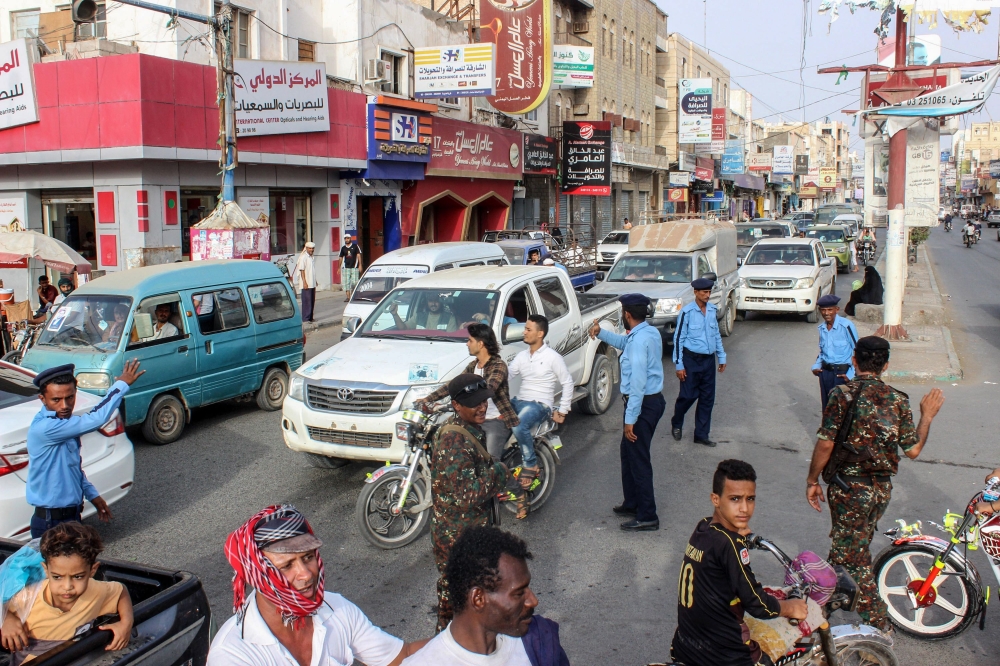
{"points": [[203, 331]]}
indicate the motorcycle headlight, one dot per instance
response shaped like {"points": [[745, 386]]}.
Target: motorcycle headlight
{"points": [[668, 306], [93, 380], [297, 387], [805, 283], [416, 393]]}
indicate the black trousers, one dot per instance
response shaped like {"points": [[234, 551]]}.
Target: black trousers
{"points": [[40, 526], [698, 387], [308, 299], [637, 469], [827, 380]]}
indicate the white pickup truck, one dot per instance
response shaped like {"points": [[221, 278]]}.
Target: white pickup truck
{"points": [[344, 404]]}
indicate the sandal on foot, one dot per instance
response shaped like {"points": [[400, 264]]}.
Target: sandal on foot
{"points": [[523, 507], [527, 476]]}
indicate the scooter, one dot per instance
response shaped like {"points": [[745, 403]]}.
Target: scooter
{"points": [[393, 509]]}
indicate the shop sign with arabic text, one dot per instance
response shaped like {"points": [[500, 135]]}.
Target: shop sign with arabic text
{"points": [[18, 105], [586, 158], [280, 97], [462, 149], [453, 71], [522, 33], [540, 154]]}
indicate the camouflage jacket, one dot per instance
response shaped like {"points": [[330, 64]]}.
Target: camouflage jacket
{"points": [[463, 476], [882, 423]]}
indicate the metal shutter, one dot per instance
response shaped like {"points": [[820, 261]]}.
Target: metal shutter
{"points": [[605, 222], [563, 210], [624, 206]]}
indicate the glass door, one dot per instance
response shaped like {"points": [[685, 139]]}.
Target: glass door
{"points": [[69, 217]]}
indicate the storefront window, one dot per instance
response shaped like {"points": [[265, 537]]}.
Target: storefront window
{"points": [[195, 206], [291, 222], [69, 217]]}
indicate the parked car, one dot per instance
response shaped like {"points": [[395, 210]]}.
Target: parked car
{"points": [[232, 328], [610, 248], [836, 241], [108, 459], [748, 233], [801, 219], [785, 275], [993, 219], [345, 403], [393, 269], [172, 621]]}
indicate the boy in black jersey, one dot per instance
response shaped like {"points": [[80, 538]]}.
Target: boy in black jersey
{"points": [[716, 583]]}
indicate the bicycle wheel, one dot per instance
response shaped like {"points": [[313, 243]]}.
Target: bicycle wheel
{"points": [[955, 597]]}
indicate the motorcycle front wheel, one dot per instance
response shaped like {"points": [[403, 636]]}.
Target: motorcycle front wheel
{"points": [[953, 609], [542, 488], [860, 652], [377, 522]]}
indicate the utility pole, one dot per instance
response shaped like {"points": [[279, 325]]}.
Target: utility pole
{"points": [[86, 11]]}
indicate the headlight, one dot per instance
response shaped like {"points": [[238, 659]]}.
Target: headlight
{"points": [[742, 283], [805, 283], [668, 306], [297, 387], [93, 380], [842, 248], [418, 393]]}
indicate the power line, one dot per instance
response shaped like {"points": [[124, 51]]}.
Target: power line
{"points": [[346, 41]]}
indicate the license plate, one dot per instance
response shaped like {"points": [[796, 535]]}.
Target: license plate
{"points": [[555, 442]]}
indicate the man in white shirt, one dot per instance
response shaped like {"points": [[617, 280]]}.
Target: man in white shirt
{"points": [[163, 329], [542, 369], [304, 280], [495, 622], [286, 618]]}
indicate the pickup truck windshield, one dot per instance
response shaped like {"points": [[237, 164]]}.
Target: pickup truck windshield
{"points": [[827, 214], [751, 233], [430, 314], [90, 321], [767, 255], [515, 255], [651, 268], [826, 235]]}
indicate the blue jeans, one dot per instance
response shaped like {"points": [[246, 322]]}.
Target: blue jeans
{"points": [[531, 414]]}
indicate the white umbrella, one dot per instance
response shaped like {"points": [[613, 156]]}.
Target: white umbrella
{"points": [[18, 245]]}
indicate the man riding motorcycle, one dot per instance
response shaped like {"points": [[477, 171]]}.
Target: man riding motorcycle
{"points": [[969, 230]]}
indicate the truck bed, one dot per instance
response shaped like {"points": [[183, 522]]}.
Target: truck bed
{"points": [[172, 620], [590, 302]]}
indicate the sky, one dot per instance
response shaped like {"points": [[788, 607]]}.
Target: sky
{"points": [[760, 42]]}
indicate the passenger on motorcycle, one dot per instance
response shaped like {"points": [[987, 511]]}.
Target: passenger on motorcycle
{"points": [[989, 508], [717, 585], [542, 369], [969, 230]]}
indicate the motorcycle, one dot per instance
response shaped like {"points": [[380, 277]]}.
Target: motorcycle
{"points": [[22, 338], [944, 601], [970, 239], [393, 509], [947, 225], [867, 252]]}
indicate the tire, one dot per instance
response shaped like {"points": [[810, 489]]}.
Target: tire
{"points": [[862, 651], [546, 474], [165, 420], [813, 317], [272, 390], [728, 320], [326, 462], [891, 575], [14, 357], [600, 388], [380, 527], [833, 285]]}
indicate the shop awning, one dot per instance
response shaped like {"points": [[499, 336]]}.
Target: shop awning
{"points": [[746, 181]]}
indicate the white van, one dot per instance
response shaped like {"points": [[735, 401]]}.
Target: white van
{"points": [[407, 263]]}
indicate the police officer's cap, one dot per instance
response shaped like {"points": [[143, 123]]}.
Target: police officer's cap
{"points": [[49, 374], [634, 299], [871, 343], [702, 283], [828, 301]]}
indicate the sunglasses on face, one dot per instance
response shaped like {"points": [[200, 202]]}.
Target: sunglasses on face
{"points": [[472, 388]]}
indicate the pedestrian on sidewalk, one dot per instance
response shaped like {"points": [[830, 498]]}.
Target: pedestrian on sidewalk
{"points": [[305, 280], [870, 292], [837, 337], [642, 391], [859, 465], [350, 265], [627, 225], [697, 347]]}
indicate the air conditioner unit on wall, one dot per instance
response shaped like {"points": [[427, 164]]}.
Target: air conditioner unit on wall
{"points": [[581, 27], [377, 71]]}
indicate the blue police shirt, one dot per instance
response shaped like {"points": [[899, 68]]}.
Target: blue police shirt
{"points": [[697, 332], [642, 365], [836, 345], [55, 468]]}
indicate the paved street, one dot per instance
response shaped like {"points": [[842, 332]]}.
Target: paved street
{"points": [[613, 593]]}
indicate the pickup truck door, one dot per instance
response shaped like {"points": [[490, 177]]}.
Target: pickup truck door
{"points": [[705, 266], [565, 329], [517, 304]]}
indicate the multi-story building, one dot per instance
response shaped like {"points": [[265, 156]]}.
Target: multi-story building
{"points": [[835, 138]]}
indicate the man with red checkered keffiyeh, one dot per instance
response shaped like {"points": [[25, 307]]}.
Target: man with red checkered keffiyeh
{"points": [[283, 611]]}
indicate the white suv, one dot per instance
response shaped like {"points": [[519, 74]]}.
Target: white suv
{"points": [[785, 275]]}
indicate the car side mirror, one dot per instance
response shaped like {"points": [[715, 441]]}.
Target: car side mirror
{"points": [[600, 276], [710, 276], [826, 262], [351, 324], [514, 333], [739, 261]]}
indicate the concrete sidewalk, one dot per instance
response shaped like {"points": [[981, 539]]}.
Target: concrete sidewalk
{"points": [[327, 311], [930, 354]]}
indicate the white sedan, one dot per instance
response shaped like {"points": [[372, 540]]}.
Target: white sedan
{"points": [[108, 459], [610, 248], [785, 275]]}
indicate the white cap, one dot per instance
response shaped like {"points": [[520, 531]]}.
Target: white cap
{"points": [[310, 244]]}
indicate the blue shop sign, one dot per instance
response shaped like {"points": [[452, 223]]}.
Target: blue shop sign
{"points": [[718, 197], [399, 135]]}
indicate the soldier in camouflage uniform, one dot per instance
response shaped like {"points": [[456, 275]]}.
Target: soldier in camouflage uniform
{"points": [[464, 478], [883, 424]]}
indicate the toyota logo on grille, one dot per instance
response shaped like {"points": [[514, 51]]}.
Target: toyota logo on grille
{"points": [[769, 283], [345, 394]]}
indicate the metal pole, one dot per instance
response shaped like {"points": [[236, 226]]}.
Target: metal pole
{"points": [[895, 250], [179, 13], [228, 171]]}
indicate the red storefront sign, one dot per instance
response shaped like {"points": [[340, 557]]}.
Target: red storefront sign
{"points": [[704, 168], [522, 32], [462, 149], [719, 129]]}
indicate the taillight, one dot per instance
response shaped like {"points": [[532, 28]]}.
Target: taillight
{"points": [[113, 427], [11, 462]]}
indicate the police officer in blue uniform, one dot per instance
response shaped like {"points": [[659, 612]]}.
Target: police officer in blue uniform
{"points": [[837, 337], [697, 343], [642, 391], [57, 484]]}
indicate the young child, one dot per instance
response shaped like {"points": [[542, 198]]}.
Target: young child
{"points": [[69, 597]]}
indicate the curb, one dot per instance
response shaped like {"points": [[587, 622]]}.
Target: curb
{"points": [[956, 366], [315, 326]]}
